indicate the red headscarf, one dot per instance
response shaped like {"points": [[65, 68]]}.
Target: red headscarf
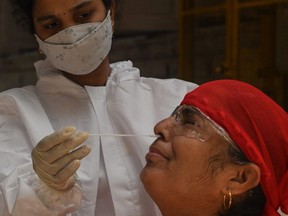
{"points": [[257, 125]]}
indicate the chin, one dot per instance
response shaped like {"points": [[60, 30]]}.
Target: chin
{"points": [[154, 189], [152, 180], [144, 175], [148, 178]]}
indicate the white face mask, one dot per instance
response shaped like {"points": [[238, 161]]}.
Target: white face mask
{"points": [[79, 49]]}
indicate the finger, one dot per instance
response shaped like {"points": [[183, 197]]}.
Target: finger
{"points": [[64, 148], [54, 139], [69, 184], [46, 177], [69, 145], [77, 154], [59, 181], [59, 164], [67, 172]]}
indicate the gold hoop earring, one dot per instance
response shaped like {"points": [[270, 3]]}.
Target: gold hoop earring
{"points": [[227, 203]]}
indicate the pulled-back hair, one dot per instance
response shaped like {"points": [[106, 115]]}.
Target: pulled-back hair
{"points": [[23, 11]]}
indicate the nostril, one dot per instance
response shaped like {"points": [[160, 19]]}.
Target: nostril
{"points": [[160, 136]]}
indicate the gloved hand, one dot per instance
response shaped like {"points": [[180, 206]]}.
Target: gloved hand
{"points": [[56, 157]]}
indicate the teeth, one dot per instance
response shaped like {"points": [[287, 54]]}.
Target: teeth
{"points": [[127, 135]]}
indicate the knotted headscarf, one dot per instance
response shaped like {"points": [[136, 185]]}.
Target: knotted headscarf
{"points": [[257, 125]]}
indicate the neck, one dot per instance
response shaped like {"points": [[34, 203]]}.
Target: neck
{"points": [[186, 210], [179, 213], [98, 77]]}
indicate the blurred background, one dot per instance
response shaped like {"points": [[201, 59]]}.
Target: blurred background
{"points": [[195, 40]]}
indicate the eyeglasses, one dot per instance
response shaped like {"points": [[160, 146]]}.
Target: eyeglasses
{"points": [[192, 123]]}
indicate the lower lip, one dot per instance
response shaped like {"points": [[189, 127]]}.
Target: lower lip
{"points": [[152, 156]]}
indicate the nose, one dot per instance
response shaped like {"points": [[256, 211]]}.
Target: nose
{"points": [[67, 24], [67, 20], [165, 128]]}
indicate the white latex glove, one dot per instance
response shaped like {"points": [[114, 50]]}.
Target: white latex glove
{"points": [[56, 158]]}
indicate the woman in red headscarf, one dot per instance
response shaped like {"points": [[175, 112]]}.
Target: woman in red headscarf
{"points": [[223, 151]]}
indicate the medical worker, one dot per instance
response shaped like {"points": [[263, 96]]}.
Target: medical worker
{"points": [[51, 161]]}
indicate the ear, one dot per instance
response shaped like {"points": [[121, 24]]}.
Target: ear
{"points": [[113, 12], [245, 178]]}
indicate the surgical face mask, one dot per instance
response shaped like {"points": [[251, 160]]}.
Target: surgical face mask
{"points": [[79, 49]]}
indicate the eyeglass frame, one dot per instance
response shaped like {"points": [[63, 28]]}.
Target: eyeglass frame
{"points": [[176, 119]]}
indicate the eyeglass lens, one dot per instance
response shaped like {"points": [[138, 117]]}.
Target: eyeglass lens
{"points": [[189, 122]]}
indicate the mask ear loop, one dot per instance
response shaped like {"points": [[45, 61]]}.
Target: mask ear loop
{"points": [[41, 53]]}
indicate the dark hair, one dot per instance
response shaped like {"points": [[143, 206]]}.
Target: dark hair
{"points": [[254, 201], [23, 11]]}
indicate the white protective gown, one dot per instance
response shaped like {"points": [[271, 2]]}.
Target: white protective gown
{"points": [[128, 104]]}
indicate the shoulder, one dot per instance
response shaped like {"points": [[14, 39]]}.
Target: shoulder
{"points": [[16, 92], [15, 96], [170, 83], [125, 71]]}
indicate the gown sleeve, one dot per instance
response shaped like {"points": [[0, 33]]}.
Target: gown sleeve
{"points": [[23, 123]]}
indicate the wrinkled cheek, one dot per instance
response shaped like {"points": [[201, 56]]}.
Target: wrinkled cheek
{"points": [[189, 174], [185, 169]]}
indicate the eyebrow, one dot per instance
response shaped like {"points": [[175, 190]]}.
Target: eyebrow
{"points": [[175, 110], [74, 8], [43, 18]]}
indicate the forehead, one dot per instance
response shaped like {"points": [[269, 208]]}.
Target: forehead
{"points": [[58, 6]]}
